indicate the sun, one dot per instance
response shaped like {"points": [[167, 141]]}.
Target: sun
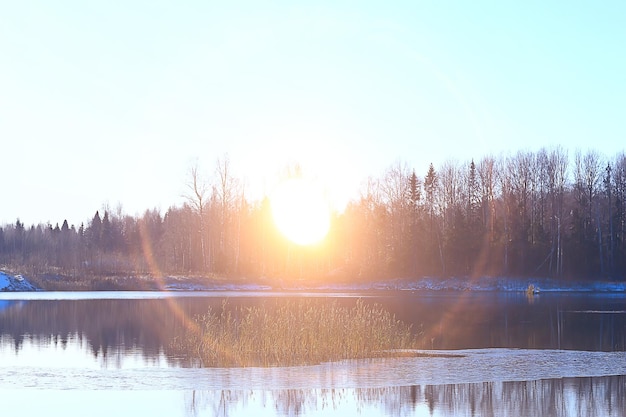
{"points": [[300, 211]]}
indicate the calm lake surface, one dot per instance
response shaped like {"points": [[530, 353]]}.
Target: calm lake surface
{"points": [[113, 353]]}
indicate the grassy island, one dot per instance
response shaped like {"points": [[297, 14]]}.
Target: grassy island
{"points": [[301, 332]]}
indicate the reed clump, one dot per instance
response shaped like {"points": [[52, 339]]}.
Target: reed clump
{"points": [[298, 332]]}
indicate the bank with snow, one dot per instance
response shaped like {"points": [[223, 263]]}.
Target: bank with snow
{"points": [[496, 284], [15, 283]]}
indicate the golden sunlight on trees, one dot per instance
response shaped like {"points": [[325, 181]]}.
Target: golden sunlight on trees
{"points": [[196, 198], [525, 214]]}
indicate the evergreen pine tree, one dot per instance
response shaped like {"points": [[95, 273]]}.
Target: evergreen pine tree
{"points": [[106, 237], [94, 232]]}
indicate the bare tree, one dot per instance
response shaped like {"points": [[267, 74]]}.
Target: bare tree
{"points": [[587, 178], [619, 183], [450, 189], [557, 176], [395, 192], [504, 180], [229, 197], [520, 175], [608, 193], [487, 179], [196, 197], [453, 191], [369, 231], [433, 205]]}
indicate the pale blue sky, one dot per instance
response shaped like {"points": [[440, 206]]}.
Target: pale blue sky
{"points": [[109, 102]]}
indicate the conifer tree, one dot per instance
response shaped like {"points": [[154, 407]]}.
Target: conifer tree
{"points": [[94, 231]]}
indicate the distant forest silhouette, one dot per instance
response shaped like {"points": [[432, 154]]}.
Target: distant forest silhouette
{"points": [[531, 213]]}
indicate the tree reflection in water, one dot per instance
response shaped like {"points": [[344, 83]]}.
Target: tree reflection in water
{"points": [[448, 321], [113, 330], [567, 397]]}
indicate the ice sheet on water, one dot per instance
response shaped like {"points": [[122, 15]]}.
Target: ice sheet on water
{"points": [[443, 367]]}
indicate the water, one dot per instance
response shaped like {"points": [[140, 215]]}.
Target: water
{"points": [[112, 354]]}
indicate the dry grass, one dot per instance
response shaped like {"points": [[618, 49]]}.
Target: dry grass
{"points": [[295, 333]]}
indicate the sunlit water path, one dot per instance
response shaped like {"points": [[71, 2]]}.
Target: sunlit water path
{"points": [[110, 354]]}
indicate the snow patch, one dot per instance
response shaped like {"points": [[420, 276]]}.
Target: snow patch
{"points": [[15, 283]]}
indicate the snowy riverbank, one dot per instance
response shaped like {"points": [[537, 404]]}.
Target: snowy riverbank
{"points": [[15, 283], [9, 282], [500, 284]]}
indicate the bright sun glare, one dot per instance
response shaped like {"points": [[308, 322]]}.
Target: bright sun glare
{"points": [[300, 211]]}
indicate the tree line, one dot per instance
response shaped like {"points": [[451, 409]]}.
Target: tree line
{"points": [[530, 213]]}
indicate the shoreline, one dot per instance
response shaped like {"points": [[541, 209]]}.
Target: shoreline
{"points": [[10, 282]]}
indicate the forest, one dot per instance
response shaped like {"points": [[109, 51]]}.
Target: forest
{"points": [[542, 213]]}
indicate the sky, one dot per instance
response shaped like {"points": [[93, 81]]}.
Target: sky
{"points": [[110, 104]]}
